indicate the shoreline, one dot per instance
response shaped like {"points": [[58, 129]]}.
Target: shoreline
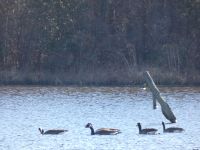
{"points": [[98, 78], [97, 85]]}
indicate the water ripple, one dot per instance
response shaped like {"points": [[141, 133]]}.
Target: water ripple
{"points": [[23, 109]]}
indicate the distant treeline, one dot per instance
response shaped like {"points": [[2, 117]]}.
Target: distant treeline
{"points": [[99, 42]]}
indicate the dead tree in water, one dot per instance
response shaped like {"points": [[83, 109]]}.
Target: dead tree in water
{"points": [[166, 110]]}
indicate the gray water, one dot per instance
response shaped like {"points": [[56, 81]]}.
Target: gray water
{"points": [[24, 109]]}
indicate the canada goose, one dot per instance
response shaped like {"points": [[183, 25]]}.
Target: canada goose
{"points": [[172, 129], [102, 131], [147, 130], [52, 131]]}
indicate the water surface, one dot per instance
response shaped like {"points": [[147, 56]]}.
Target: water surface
{"points": [[24, 109]]}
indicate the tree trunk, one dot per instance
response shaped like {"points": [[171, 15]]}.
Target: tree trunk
{"points": [[166, 110]]}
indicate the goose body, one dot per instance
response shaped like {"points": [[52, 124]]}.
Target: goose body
{"points": [[102, 131], [147, 130], [52, 131], [172, 129]]}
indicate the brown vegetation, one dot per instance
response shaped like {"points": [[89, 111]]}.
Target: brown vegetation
{"points": [[109, 42]]}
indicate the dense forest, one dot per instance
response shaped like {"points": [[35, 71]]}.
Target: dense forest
{"points": [[99, 42]]}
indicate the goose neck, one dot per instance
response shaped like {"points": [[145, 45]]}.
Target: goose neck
{"points": [[92, 130], [163, 126], [41, 131], [140, 128]]}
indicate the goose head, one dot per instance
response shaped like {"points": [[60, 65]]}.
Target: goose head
{"points": [[88, 125], [139, 125], [41, 130]]}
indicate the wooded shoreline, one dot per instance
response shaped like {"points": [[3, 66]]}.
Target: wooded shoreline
{"points": [[99, 42], [86, 79]]}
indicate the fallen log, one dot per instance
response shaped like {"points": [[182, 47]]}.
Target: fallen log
{"points": [[166, 110]]}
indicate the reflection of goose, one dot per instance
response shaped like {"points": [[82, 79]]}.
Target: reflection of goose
{"points": [[102, 131], [172, 129], [52, 131], [147, 130]]}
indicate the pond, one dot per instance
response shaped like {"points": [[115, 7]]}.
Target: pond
{"points": [[23, 109]]}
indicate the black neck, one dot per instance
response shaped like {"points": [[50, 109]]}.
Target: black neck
{"points": [[163, 126], [92, 131], [140, 128], [41, 131]]}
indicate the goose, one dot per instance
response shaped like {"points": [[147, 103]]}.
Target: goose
{"points": [[52, 131], [102, 131], [172, 129], [147, 130]]}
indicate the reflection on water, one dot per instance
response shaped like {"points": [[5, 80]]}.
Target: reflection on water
{"points": [[24, 109]]}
